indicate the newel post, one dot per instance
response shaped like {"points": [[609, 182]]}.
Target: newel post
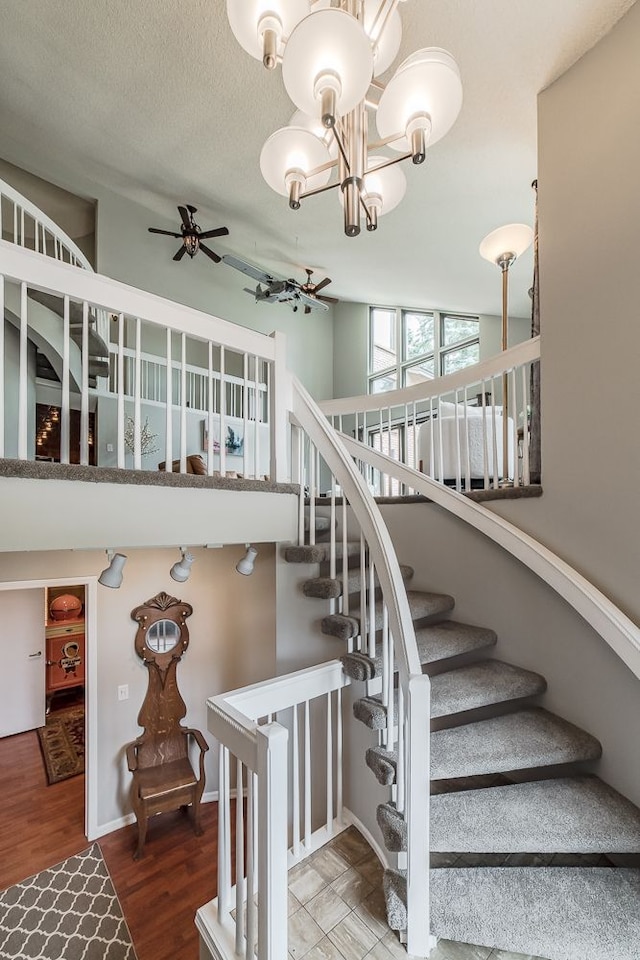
{"points": [[418, 755], [272, 841], [279, 407]]}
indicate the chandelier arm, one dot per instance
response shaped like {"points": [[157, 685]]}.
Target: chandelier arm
{"points": [[377, 144], [341, 148], [312, 193], [375, 36], [391, 162]]}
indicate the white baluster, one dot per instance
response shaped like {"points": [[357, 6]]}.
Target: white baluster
{"points": [[137, 408], [223, 850], [295, 774], [211, 386], [84, 396], [22, 226], [401, 771], [467, 452], [404, 454], [345, 564], [252, 918], [272, 828], [485, 450], [362, 636], [223, 414], [312, 494], [300, 440], [332, 540], [256, 421], [458, 461], [329, 765], [240, 886], [307, 778], [441, 469], [183, 403], [23, 447], [168, 410], [526, 475], [514, 428], [372, 608], [15, 222], [339, 753], [494, 435], [120, 402], [417, 748], [245, 415], [65, 412]]}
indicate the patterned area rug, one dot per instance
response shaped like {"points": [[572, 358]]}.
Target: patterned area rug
{"points": [[62, 743], [69, 912]]}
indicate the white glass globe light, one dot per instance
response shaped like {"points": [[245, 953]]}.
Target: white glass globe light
{"points": [[385, 187], [288, 156], [385, 48], [315, 125], [512, 239], [425, 90], [328, 52], [249, 18]]}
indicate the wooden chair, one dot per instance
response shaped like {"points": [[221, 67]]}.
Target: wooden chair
{"points": [[163, 776]]}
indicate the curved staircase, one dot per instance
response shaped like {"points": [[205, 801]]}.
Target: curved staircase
{"points": [[520, 830]]}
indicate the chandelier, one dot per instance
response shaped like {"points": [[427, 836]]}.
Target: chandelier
{"points": [[331, 55]]}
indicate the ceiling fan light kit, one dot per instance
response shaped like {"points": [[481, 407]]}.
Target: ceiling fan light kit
{"points": [[330, 55]]}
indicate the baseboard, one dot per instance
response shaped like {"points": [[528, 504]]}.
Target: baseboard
{"points": [[102, 830], [350, 817]]}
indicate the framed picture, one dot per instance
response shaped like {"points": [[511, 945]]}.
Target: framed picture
{"points": [[234, 439]]}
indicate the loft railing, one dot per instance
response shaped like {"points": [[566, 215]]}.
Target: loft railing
{"points": [[22, 223], [452, 428], [161, 357]]}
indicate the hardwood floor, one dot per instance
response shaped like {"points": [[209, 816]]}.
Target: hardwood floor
{"points": [[42, 825]]}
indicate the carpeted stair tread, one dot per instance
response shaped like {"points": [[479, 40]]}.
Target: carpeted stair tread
{"points": [[517, 741], [560, 913], [525, 739], [327, 588], [457, 691], [421, 604], [321, 524], [320, 552], [566, 815], [579, 815], [436, 642]]}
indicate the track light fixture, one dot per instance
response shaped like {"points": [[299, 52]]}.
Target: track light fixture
{"points": [[182, 568], [331, 54], [111, 576], [246, 565]]}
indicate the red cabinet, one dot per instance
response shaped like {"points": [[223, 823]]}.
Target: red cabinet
{"points": [[65, 654]]}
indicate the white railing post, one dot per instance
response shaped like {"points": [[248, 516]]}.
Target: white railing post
{"points": [[279, 404], [272, 833], [417, 792]]}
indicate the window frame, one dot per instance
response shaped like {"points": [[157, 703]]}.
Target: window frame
{"points": [[402, 364]]}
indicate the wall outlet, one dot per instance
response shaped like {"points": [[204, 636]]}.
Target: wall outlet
{"points": [[123, 691], [109, 448]]}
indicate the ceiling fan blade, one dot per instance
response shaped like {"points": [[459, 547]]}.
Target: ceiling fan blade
{"points": [[191, 208], [220, 232], [180, 254], [185, 216], [212, 256], [322, 284], [329, 299], [166, 233]]}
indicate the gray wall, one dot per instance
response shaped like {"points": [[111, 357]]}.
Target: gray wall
{"points": [[232, 632], [590, 291]]}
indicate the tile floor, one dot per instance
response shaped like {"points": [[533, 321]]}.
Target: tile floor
{"points": [[337, 911]]}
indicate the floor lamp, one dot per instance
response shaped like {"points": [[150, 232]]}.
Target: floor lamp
{"points": [[503, 247]]}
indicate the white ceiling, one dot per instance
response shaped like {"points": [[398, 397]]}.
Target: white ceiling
{"points": [[156, 100]]}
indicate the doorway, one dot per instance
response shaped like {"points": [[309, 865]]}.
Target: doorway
{"points": [[38, 595]]}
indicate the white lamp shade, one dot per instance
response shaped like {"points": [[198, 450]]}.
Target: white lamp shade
{"points": [[180, 571], [289, 149], [316, 127], [112, 575], [385, 49], [245, 15], [327, 42], [390, 184], [513, 238], [246, 565], [427, 82]]}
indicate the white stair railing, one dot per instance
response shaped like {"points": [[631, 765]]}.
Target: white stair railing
{"points": [[280, 798], [382, 629], [22, 223], [451, 428], [191, 382]]}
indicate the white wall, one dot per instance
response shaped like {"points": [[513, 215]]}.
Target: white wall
{"points": [[589, 157], [232, 641]]}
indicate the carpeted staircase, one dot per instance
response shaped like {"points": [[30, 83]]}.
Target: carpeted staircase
{"points": [[511, 792]]}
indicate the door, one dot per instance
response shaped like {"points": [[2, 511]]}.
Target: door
{"points": [[22, 676]]}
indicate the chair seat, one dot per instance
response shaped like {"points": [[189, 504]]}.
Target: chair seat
{"points": [[165, 778]]}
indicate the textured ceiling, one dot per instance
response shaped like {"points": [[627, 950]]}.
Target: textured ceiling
{"points": [[156, 100]]}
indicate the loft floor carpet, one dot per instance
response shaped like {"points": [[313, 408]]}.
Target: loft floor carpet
{"points": [[70, 912], [62, 743]]}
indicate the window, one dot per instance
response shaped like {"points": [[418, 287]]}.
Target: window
{"points": [[411, 346]]}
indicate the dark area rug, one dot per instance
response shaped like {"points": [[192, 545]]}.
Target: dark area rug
{"points": [[70, 912], [62, 743]]}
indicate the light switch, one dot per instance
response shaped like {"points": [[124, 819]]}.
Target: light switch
{"points": [[123, 691]]}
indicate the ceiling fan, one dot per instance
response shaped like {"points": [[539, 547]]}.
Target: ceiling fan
{"points": [[192, 236], [272, 289]]}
